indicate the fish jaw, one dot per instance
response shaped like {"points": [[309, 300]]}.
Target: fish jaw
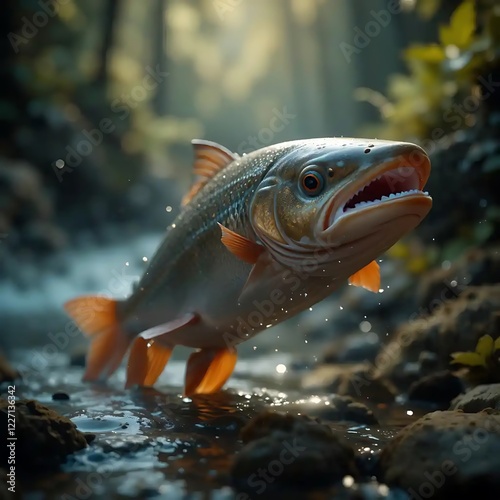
{"points": [[387, 193]]}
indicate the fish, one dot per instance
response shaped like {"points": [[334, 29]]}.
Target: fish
{"points": [[258, 239]]}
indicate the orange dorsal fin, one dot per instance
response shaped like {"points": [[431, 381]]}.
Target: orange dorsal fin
{"points": [[209, 159], [242, 247], [208, 369], [368, 277], [96, 317], [152, 350]]}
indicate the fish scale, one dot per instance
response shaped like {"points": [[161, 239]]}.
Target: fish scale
{"points": [[261, 238], [223, 199]]}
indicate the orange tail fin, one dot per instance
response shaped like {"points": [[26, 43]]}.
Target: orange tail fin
{"points": [[96, 317]]}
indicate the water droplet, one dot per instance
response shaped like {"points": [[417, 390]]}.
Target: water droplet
{"points": [[365, 326], [145, 259], [281, 368], [348, 481], [168, 208]]}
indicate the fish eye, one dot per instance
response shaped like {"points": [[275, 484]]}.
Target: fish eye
{"points": [[312, 182]]}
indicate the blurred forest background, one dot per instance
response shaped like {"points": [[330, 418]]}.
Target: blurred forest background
{"points": [[100, 99]]}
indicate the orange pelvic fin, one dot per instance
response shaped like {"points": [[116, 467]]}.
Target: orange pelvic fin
{"points": [[368, 277], [96, 317], [151, 351], [146, 362], [208, 369], [242, 247]]}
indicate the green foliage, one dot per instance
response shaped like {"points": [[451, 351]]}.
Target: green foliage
{"points": [[484, 363], [441, 74]]}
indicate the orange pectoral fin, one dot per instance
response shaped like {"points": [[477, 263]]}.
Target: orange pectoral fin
{"points": [[96, 317], [208, 369], [368, 277], [242, 247]]}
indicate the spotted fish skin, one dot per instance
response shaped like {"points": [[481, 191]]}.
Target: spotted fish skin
{"points": [[283, 226]]}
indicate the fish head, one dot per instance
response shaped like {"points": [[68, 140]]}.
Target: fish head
{"points": [[343, 201]]}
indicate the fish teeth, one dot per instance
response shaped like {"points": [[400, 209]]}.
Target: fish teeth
{"points": [[385, 198]]}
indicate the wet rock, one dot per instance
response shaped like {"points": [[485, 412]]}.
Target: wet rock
{"points": [[47, 437], [478, 399], [290, 451], [454, 326], [337, 409], [476, 267], [353, 348], [27, 210], [344, 408], [7, 373], [60, 396], [439, 388], [355, 380], [446, 454]]}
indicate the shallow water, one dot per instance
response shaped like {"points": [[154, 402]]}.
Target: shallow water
{"points": [[152, 443]]}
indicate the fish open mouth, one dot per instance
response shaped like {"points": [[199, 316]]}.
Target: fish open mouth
{"points": [[392, 183], [402, 181]]}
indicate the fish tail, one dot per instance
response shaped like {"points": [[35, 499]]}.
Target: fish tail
{"points": [[97, 318]]}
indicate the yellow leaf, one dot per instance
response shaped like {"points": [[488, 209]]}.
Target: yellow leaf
{"points": [[468, 358], [484, 346], [462, 26], [496, 346], [432, 53]]}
